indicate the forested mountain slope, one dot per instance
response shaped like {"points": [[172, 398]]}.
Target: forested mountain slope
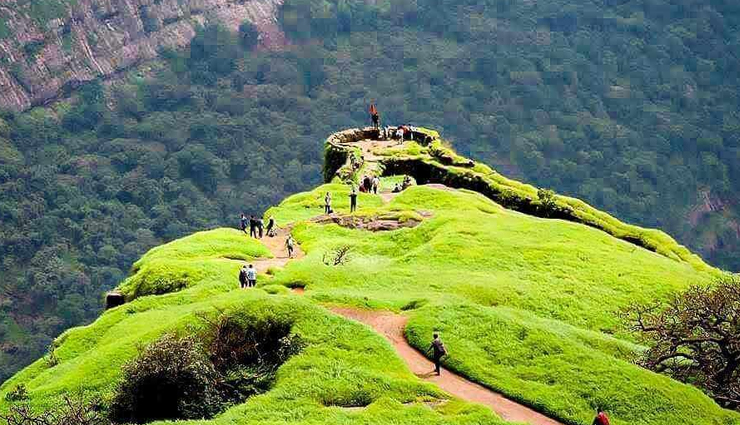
{"points": [[629, 105], [50, 47], [519, 300]]}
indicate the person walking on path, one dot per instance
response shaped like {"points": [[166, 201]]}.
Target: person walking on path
{"points": [[270, 226], [376, 184], [353, 199], [601, 418], [439, 351], [374, 116], [243, 223], [243, 277], [327, 203], [251, 276], [252, 226], [260, 227], [290, 245]]}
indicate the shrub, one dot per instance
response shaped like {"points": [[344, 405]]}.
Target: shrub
{"points": [[19, 393], [69, 412], [171, 379], [195, 377], [547, 201], [248, 35]]}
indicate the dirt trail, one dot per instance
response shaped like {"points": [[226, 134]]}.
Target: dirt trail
{"points": [[392, 325], [276, 245]]}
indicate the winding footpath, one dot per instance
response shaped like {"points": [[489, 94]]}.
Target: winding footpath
{"points": [[391, 326]]}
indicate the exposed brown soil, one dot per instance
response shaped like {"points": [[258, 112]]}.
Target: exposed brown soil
{"points": [[276, 245], [371, 223], [392, 326]]}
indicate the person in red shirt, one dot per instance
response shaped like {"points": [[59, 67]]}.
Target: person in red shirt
{"points": [[374, 116], [601, 418]]}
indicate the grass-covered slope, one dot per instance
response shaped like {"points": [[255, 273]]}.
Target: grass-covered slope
{"points": [[436, 163], [526, 305], [344, 365]]}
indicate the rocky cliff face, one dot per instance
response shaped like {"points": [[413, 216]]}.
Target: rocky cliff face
{"points": [[47, 49]]}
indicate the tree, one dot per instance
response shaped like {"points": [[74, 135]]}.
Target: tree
{"points": [[248, 35], [696, 338]]}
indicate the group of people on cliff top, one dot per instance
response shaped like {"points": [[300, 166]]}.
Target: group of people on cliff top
{"points": [[402, 132]]}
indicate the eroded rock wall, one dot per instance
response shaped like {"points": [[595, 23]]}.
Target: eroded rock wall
{"points": [[40, 58]]}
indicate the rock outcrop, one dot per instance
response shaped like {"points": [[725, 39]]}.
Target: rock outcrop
{"points": [[45, 51]]}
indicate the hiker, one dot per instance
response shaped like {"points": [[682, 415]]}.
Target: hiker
{"points": [[271, 226], [601, 418], [327, 203], [243, 282], [243, 223], [376, 184], [439, 351], [352, 199], [252, 226], [260, 226], [290, 244], [397, 188], [374, 116], [251, 276], [366, 183]]}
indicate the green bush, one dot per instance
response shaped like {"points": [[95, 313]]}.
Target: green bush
{"points": [[172, 379], [194, 377]]}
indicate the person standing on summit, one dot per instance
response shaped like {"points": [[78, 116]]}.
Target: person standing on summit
{"points": [[374, 116], [439, 351]]}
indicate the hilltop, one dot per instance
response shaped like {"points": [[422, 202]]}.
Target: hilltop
{"points": [[127, 124], [524, 286]]}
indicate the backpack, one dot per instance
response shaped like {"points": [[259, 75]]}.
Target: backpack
{"points": [[440, 346]]}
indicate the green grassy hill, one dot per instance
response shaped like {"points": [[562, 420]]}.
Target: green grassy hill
{"points": [[527, 306]]}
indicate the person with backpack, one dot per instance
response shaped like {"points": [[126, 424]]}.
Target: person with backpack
{"points": [[251, 276], [270, 226], [243, 277], [353, 199], [439, 351], [327, 203], [290, 245], [601, 418]]}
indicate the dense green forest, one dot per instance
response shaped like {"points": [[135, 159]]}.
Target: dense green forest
{"points": [[630, 105]]}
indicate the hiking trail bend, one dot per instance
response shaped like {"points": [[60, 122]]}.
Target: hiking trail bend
{"points": [[392, 326]]}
